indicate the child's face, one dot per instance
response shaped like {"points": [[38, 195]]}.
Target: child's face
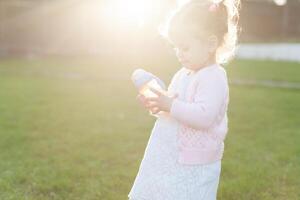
{"points": [[192, 53]]}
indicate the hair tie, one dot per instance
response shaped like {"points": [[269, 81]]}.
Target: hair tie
{"points": [[213, 7]]}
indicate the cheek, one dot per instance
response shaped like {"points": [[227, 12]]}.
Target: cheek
{"points": [[199, 54]]}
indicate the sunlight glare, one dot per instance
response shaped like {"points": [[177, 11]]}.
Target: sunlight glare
{"points": [[182, 2], [280, 2], [131, 12]]}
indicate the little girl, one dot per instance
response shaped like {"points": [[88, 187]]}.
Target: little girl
{"points": [[182, 160]]}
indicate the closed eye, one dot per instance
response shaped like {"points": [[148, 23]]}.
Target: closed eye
{"points": [[183, 49]]}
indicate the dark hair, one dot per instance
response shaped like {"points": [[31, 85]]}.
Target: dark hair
{"points": [[196, 17]]}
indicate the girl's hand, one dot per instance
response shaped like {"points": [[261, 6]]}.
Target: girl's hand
{"points": [[162, 102], [142, 100]]}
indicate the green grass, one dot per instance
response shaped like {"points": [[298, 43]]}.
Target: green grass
{"points": [[72, 129], [265, 70]]}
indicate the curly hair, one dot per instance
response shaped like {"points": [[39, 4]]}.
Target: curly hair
{"points": [[197, 18]]}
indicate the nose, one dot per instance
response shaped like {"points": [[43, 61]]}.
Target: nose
{"points": [[180, 55]]}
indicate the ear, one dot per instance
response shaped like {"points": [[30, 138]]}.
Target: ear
{"points": [[213, 43]]}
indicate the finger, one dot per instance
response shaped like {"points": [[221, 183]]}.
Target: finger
{"points": [[138, 96], [156, 91], [155, 110], [142, 103], [141, 99], [151, 98], [141, 96], [151, 105]]}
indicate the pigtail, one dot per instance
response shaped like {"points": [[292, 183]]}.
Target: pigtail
{"points": [[220, 19], [227, 49]]}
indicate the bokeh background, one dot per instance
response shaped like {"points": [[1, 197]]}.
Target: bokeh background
{"points": [[70, 124]]}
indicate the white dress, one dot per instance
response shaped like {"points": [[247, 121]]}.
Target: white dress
{"points": [[160, 176]]}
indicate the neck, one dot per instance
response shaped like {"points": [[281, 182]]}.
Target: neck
{"points": [[210, 61]]}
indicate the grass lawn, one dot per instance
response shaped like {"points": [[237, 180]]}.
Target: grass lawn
{"points": [[72, 129]]}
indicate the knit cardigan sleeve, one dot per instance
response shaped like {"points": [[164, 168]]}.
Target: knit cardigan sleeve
{"points": [[208, 99]]}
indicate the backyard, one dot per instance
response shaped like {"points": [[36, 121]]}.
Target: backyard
{"points": [[73, 129]]}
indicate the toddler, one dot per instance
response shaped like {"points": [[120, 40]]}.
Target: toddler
{"points": [[182, 160]]}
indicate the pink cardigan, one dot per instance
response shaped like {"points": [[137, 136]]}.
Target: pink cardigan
{"points": [[202, 116]]}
